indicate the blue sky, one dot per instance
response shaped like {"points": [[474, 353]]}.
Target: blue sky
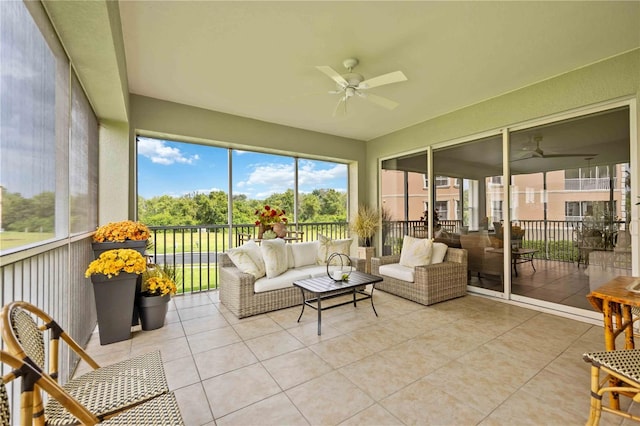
{"points": [[175, 168]]}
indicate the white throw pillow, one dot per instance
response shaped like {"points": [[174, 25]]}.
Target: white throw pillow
{"points": [[438, 252], [415, 251], [274, 254], [327, 247], [304, 253], [248, 258]]}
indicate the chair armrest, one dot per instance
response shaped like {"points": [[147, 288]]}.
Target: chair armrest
{"points": [[234, 279], [385, 260], [358, 264]]}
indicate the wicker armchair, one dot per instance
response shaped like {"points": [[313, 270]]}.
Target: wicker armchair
{"points": [[104, 391], [432, 283], [621, 376], [481, 260], [162, 410]]}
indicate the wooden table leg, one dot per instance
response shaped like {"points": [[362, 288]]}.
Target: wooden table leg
{"points": [[610, 345], [628, 327], [609, 333]]}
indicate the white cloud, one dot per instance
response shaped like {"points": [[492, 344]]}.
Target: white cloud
{"points": [[159, 153], [308, 175], [269, 178]]}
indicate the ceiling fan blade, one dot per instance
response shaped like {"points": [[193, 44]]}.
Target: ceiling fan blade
{"points": [[379, 100], [392, 77], [567, 155], [342, 99], [333, 74]]}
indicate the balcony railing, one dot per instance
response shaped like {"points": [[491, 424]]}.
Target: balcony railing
{"points": [[589, 184], [193, 250], [554, 239]]}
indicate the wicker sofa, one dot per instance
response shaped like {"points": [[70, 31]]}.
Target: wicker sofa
{"points": [[432, 283], [238, 289]]}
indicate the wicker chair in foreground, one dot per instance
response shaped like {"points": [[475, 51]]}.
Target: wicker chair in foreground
{"points": [[621, 370], [104, 391], [162, 410]]}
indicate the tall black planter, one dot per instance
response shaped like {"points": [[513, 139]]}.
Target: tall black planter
{"points": [[99, 248], [114, 303], [153, 310], [140, 247]]}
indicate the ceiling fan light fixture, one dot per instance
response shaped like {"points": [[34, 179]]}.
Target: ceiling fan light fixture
{"points": [[351, 84]]}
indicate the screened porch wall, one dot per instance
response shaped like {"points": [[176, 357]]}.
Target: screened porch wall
{"points": [[53, 280]]}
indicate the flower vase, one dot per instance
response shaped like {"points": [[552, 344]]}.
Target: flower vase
{"points": [[262, 229], [114, 299], [280, 229], [153, 310]]}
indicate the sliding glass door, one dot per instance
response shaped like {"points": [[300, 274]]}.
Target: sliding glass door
{"points": [[553, 228]]}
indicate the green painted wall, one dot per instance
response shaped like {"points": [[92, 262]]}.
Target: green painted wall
{"points": [[611, 79]]}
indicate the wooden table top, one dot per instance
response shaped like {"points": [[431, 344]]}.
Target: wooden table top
{"points": [[616, 291]]}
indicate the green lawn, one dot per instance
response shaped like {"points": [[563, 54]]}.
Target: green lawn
{"points": [[11, 239], [197, 277]]}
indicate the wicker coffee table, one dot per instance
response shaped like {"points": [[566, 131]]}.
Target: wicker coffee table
{"points": [[323, 288]]}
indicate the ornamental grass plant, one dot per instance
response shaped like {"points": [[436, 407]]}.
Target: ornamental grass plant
{"points": [[122, 231], [112, 262], [365, 224]]}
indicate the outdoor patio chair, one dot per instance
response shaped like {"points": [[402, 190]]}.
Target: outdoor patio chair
{"points": [[104, 390], [588, 240], [621, 370], [162, 410]]}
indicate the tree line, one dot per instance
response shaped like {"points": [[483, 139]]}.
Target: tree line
{"points": [[321, 205], [37, 214]]}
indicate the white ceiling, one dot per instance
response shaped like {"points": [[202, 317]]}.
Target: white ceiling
{"points": [[257, 59]]}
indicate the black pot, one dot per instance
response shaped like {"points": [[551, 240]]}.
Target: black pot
{"points": [[153, 310], [114, 304]]}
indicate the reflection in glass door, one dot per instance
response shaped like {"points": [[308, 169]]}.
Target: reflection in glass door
{"points": [[469, 197], [570, 197]]}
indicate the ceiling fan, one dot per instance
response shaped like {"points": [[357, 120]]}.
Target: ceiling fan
{"points": [[354, 84], [539, 153]]}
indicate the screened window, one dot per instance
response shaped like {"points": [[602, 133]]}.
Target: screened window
{"points": [[188, 184], [48, 161]]}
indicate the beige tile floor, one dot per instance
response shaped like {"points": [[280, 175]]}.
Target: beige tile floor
{"points": [[467, 361]]}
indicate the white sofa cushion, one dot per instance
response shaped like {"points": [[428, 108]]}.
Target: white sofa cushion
{"points": [[274, 254], [438, 253], [415, 251], [304, 254], [248, 259], [290, 261], [287, 278], [397, 271], [327, 247]]}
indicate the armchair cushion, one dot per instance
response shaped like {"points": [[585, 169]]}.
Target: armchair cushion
{"points": [[438, 253], [415, 251], [397, 271]]}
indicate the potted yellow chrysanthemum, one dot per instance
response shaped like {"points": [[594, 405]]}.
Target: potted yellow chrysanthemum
{"points": [[114, 275], [158, 284], [123, 234]]}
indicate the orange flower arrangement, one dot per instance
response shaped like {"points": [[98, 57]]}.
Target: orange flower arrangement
{"points": [[122, 231], [270, 215]]}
